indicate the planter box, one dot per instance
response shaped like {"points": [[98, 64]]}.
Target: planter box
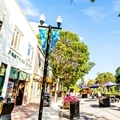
{"points": [[74, 110], [104, 102], [84, 95]]}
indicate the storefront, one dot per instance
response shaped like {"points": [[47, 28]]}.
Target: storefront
{"points": [[17, 88], [35, 85]]}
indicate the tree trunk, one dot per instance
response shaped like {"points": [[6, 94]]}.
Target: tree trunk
{"points": [[57, 88]]}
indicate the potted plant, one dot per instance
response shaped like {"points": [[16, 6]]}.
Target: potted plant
{"points": [[69, 99]]}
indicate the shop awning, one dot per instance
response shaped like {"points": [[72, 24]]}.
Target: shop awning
{"points": [[22, 75], [48, 80], [13, 73], [37, 78], [28, 77], [40, 79]]}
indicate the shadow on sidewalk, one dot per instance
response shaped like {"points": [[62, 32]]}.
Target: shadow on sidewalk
{"points": [[25, 111], [65, 116]]}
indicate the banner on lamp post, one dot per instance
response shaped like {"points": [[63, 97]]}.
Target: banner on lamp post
{"points": [[43, 39], [55, 36]]}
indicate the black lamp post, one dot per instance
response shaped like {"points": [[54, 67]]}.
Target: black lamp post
{"points": [[42, 19]]}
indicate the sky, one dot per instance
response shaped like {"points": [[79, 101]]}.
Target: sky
{"points": [[96, 24]]}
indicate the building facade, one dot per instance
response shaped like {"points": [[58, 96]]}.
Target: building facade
{"points": [[18, 45]]}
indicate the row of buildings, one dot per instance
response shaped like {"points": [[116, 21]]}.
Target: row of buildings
{"points": [[21, 58]]}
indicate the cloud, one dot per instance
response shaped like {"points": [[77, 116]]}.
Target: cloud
{"points": [[28, 8], [116, 6], [96, 13], [81, 38], [114, 31]]}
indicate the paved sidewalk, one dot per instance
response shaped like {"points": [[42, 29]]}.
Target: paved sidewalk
{"points": [[26, 111], [89, 110], [30, 111]]}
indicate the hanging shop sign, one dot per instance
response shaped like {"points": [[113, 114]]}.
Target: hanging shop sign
{"points": [[17, 57]]}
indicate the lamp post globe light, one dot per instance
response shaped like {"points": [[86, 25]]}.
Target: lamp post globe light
{"points": [[49, 27]]}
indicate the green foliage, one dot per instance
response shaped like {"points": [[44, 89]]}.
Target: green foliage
{"points": [[75, 87], [119, 15], [105, 77], [91, 82], [92, 0], [117, 75], [38, 38], [70, 58]]}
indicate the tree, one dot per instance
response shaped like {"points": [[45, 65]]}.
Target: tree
{"points": [[38, 38], [105, 77], [70, 59], [117, 75], [91, 82]]}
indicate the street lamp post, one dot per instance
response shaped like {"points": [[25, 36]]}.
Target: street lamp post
{"points": [[42, 19]]}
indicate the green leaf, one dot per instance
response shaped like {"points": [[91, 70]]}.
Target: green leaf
{"points": [[92, 0], [119, 15]]}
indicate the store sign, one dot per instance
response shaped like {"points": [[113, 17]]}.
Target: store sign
{"points": [[14, 55]]}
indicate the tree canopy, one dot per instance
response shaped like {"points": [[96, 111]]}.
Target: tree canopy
{"points": [[117, 75], [91, 82], [105, 77], [70, 59]]}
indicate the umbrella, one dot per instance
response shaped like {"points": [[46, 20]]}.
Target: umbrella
{"points": [[83, 87], [109, 84], [95, 86]]}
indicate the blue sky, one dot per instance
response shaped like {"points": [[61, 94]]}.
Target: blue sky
{"points": [[96, 24]]}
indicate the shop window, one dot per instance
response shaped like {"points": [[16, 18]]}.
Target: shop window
{"points": [[39, 62], [2, 75], [2, 69], [30, 52], [16, 39], [0, 25]]}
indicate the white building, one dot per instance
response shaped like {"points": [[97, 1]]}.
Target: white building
{"points": [[18, 46]]}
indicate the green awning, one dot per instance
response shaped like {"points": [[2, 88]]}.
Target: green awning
{"points": [[13, 73], [22, 75], [28, 76]]}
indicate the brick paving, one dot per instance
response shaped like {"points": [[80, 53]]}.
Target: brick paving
{"points": [[24, 112]]}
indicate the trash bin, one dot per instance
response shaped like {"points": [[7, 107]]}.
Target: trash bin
{"points": [[84, 95], [6, 111], [74, 110]]}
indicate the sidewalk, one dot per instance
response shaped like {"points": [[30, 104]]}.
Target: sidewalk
{"points": [[90, 110], [30, 111]]}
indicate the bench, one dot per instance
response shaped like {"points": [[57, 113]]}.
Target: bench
{"points": [[6, 111]]}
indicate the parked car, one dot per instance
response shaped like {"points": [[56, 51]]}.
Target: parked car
{"points": [[47, 100]]}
